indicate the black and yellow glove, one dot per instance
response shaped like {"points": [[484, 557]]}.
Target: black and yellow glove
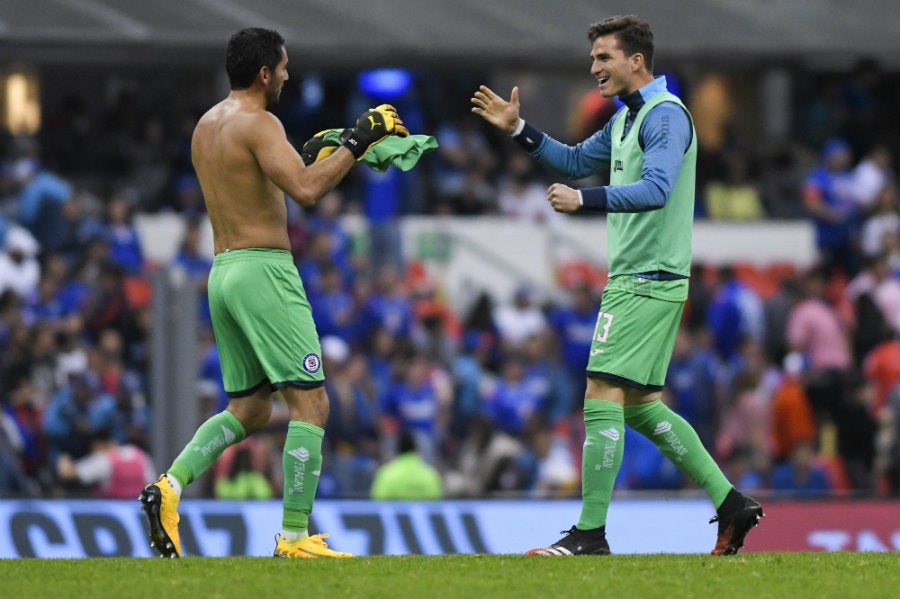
{"points": [[318, 148], [373, 126]]}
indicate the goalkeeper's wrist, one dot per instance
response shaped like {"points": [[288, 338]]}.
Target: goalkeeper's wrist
{"points": [[357, 146]]}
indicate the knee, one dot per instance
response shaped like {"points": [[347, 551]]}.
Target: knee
{"points": [[308, 405], [252, 417]]}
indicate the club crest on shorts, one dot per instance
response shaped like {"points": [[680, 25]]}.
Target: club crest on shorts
{"points": [[312, 363]]}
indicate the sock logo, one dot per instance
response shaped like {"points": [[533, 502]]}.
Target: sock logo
{"points": [[217, 443], [300, 454], [662, 427], [229, 434], [611, 433]]}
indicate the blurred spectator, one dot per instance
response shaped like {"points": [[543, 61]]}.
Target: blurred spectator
{"points": [[746, 422], [736, 312], [46, 304], [546, 375], [591, 113], [190, 256], [77, 411], [419, 401], [464, 161], [521, 196], [333, 305], [388, 307], [406, 476], [694, 382], [20, 270], [327, 217], [24, 414], [42, 362], [240, 473], [382, 347], [793, 420], [888, 462], [871, 175], [882, 221], [351, 436], [734, 197], [122, 235], [781, 182], [815, 331], [548, 462], [488, 462], [471, 371], [776, 311], [114, 471], [108, 306], [14, 481], [436, 328], [882, 368], [196, 264], [573, 324], [76, 229], [519, 319], [514, 399], [877, 281], [741, 469], [41, 196], [316, 256], [801, 476], [828, 197]]}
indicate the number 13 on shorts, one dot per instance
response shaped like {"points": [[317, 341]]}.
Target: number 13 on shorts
{"points": [[601, 331]]}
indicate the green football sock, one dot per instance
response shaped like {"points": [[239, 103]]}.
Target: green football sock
{"points": [[679, 443], [604, 428], [212, 438], [302, 462]]}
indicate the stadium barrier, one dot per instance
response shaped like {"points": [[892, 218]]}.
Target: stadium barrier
{"points": [[101, 528]]}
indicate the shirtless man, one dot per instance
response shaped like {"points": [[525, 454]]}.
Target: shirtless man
{"points": [[262, 321]]}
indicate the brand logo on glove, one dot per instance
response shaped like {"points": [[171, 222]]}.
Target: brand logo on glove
{"points": [[372, 120]]}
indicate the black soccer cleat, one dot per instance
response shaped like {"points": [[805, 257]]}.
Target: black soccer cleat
{"points": [[577, 542], [735, 524]]}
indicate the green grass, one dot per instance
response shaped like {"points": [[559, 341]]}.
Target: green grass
{"points": [[751, 576]]}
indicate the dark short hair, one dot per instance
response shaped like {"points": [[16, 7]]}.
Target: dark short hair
{"points": [[248, 51], [634, 35]]}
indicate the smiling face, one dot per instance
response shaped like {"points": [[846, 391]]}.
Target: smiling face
{"points": [[616, 73]]}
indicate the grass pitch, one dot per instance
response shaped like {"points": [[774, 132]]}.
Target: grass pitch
{"points": [[750, 576]]}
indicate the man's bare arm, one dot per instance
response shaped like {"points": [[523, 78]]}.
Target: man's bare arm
{"points": [[281, 163]]}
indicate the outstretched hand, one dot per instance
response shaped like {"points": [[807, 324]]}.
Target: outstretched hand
{"points": [[495, 110]]}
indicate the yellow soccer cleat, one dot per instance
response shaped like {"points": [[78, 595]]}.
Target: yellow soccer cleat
{"points": [[307, 547], [160, 502]]}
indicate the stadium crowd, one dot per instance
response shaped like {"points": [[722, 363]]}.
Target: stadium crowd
{"points": [[789, 376]]}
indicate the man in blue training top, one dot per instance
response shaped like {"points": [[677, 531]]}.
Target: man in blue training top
{"points": [[650, 149]]}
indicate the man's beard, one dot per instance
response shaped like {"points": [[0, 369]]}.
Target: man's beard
{"points": [[272, 95]]}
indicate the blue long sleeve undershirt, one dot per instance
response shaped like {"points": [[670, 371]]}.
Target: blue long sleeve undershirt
{"points": [[665, 135]]}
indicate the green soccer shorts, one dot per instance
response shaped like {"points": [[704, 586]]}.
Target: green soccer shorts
{"points": [[636, 329], [263, 322]]}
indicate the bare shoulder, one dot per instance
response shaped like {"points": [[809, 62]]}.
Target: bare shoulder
{"points": [[237, 121], [263, 126]]}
